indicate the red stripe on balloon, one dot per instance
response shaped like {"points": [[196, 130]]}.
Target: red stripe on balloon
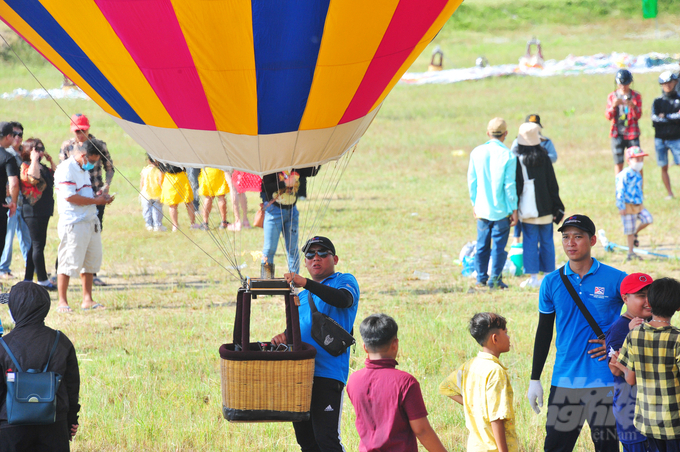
{"points": [[150, 32], [410, 22]]}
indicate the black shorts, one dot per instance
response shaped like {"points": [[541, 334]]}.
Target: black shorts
{"points": [[619, 146]]}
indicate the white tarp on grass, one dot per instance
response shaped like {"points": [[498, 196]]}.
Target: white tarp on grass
{"points": [[572, 65]]}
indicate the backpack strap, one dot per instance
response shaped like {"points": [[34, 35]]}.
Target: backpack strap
{"points": [[589, 318], [14, 360], [54, 348], [9, 352]]}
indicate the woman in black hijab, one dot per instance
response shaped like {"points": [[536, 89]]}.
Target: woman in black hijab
{"points": [[30, 342]]}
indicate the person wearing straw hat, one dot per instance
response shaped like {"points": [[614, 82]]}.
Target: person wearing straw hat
{"points": [[539, 203], [80, 127], [336, 295], [80, 250], [491, 183]]}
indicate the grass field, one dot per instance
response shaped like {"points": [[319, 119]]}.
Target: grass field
{"points": [[149, 363]]}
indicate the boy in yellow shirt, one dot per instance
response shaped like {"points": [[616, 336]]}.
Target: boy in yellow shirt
{"points": [[482, 386]]}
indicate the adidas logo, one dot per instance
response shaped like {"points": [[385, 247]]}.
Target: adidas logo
{"points": [[329, 408]]}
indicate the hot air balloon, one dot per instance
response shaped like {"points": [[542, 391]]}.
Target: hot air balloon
{"points": [[253, 85]]}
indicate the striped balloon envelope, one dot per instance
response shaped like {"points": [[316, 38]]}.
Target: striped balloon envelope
{"points": [[255, 85]]}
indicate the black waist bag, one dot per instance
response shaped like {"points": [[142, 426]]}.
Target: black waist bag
{"points": [[328, 333]]}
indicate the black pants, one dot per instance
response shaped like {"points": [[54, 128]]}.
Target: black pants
{"points": [[3, 227], [33, 438], [569, 408], [35, 261], [322, 431], [100, 215]]}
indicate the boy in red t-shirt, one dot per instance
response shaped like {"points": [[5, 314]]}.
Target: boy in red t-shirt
{"points": [[388, 403]]}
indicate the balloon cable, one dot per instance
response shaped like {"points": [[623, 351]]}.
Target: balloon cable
{"points": [[114, 167]]}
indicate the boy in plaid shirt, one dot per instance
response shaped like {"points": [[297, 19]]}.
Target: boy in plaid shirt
{"points": [[651, 353]]}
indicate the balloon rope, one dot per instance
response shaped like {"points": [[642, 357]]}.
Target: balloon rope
{"points": [[114, 167]]}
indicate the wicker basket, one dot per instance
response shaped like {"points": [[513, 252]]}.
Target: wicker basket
{"points": [[262, 386]]}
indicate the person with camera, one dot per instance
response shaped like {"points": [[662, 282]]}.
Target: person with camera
{"points": [[624, 109], [31, 342], [337, 296]]}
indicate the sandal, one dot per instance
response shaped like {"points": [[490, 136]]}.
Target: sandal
{"points": [[636, 242], [224, 225], [64, 310]]}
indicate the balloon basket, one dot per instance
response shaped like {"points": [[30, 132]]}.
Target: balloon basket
{"points": [[260, 385]]}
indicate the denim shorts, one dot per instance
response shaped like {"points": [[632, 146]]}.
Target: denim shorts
{"points": [[662, 147]]}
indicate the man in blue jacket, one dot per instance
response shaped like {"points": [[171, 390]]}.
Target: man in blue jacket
{"points": [[491, 182]]}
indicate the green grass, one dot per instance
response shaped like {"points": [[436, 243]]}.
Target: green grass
{"points": [[149, 363]]}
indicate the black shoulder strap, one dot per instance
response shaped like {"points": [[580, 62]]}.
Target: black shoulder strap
{"points": [[312, 306], [591, 321]]}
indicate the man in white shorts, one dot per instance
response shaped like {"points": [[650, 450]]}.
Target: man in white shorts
{"points": [[80, 250]]}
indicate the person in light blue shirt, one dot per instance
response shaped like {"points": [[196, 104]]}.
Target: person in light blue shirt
{"points": [[582, 385], [336, 295], [491, 182], [629, 199]]}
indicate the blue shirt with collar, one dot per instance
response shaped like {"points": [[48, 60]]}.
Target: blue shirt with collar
{"points": [[600, 291], [327, 365], [491, 180]]}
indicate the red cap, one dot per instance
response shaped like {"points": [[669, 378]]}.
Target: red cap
{"points": [[79, 122], [635, 282]]}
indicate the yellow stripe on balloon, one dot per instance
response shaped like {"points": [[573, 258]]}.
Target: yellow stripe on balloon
{"points": [[48, 52], [90, 30], [345, 54], [229, 81], [446, 13]]}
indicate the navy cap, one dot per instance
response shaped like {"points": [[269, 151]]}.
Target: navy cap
{"points": [[581, 222], [535, 119], [321, 241]]}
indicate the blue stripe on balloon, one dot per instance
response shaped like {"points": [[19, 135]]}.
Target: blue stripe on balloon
{"points": [[287, 37], [35, 14]]}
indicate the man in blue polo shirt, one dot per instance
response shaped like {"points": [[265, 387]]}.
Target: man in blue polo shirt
{"points": [[336, 295], [582, 385]]}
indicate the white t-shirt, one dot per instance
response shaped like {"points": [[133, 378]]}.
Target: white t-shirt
{"points": [[70, 179]]}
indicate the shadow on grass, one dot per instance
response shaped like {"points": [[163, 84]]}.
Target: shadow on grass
{"points": [[431, 291]]}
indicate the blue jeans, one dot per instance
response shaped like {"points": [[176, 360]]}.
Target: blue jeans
{"points": [[16, 224], [276, 221], [538, 248], [492, 236], [152, 211]]}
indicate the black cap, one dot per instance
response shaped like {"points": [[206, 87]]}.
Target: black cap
{"points": [[321, 241], [581, 222], [535, 119], [6, 128]]}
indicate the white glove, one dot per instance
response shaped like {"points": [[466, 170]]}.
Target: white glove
{"points": [[535, 395]]}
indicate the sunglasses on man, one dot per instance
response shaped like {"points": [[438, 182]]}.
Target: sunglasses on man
{"points": [[321, 253], [18, 134]]}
